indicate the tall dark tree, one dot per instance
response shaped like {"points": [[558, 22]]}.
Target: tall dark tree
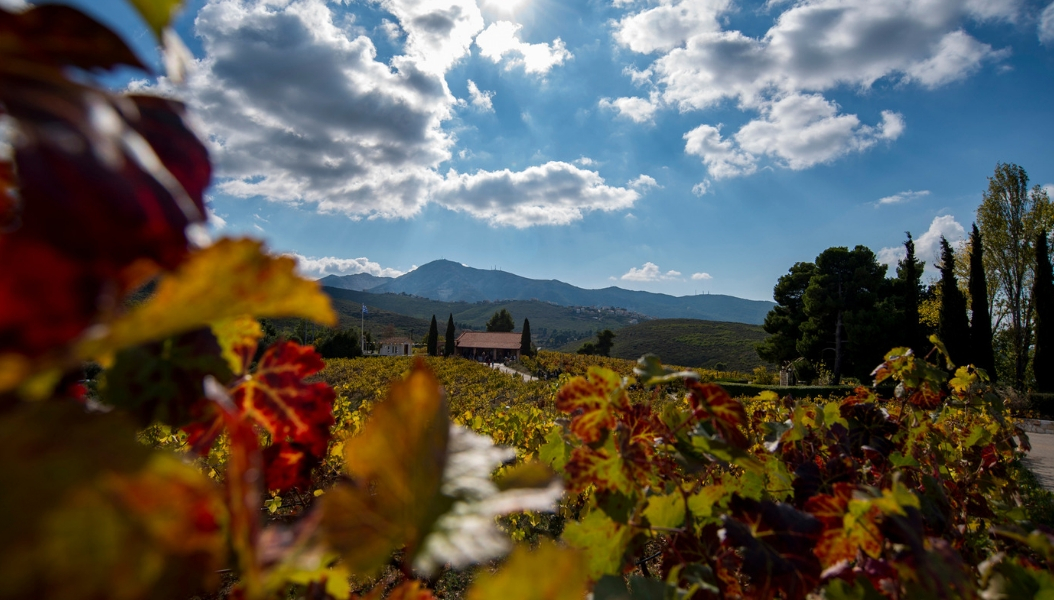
{"points": [[909, 286], [840, 304], [783, 322], [501, 321], [605, 340], [982, 353], [433, 338], [953, 328], [342, 344], [525, 339], [448, 340], [1043, 296]]}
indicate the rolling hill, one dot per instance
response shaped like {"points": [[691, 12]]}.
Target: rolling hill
{"points": [[689, 342], [448, 281]]}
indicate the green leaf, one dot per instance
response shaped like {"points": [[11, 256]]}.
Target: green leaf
{"points": [[665, 511], [602, 540], [157, 13], [651, 372], [556, 451], [702, 503], [549, 572]]}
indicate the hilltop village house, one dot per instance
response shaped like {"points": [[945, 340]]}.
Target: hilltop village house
{"points": [[479, 345], [397, 347]]}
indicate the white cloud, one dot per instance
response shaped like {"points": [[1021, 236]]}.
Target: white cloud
{"points": [[481, 100], [556, 193], [700, 189], [298, 109], [1046, 25], [636, 109], [214, 220], [1049, 189], [649, 272], [720, 156], [12, 4], [585, 161], [643, 182], [901, 197], [701, 276], [331, 265], [812, 47], [927, 245], [502, 39]]}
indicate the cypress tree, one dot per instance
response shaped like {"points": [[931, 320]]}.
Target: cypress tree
{"points": [[449, 341], [1043, 296], [953, 328], [525, 339], [909, 271], [982, 354], [433, 338]]}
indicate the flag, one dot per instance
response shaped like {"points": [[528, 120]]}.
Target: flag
{"points": [[364, 311]]}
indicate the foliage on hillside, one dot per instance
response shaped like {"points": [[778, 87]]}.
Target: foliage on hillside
{"points": [[690, 342]]}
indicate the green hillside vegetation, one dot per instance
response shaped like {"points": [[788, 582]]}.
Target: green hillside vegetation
{"points": [[689, 342], [551, 325]]}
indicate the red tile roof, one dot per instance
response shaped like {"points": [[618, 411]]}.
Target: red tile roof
{"points": [[489, 340]]}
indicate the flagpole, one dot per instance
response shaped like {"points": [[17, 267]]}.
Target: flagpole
{"points": [[362, 330]]}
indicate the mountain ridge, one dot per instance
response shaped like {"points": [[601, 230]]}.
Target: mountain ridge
{"points": [[449, 281]]}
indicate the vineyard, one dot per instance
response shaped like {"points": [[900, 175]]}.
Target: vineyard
{"points": [[198, 465]]}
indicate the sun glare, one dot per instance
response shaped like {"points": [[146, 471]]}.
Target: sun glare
{"points": [[507, 7]]}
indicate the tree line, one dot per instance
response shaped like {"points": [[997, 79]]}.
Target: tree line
{"points": [[992, 306]]}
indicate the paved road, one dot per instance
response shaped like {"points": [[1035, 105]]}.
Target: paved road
{"points": [[1041, 459], [525, 376]]}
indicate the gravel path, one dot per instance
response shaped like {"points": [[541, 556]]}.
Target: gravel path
{"points": [[509, 371]]}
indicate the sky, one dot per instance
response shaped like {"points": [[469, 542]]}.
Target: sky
{"points": [[675, 146]]}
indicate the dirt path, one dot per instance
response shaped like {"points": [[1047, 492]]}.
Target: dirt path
{"points": [[508, 371], [1041, 460]]}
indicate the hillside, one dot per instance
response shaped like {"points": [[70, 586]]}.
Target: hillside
{"points": [[689, 342], [358, 282], [551, 325], [449, 281]]}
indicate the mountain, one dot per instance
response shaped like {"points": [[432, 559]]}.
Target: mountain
{"points": [[689, 343], [449, 281], [357, 282]]}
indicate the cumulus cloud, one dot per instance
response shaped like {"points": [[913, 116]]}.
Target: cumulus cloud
{"points": [[330, 265], [481, 100], [812, 47], [649, 272], [638, 110], [298, 109], [901, 197], [1046, 25], [644, 182], [700, 189], [927, 245], [214, 220], [501, 40], [722, 157], [701, 277], [556, 193]]}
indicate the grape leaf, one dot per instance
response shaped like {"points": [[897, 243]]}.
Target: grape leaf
{"points": [[665, 511], [58, 36], [602, 540], [231, 278], [776, 543], [848, 526], [592, 400], [156, 13], [711, 401], [87, 512], [396, 467], [238, 338], [548, 572]]}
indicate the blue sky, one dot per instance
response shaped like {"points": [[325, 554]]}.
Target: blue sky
{"points": [[677, 146]]}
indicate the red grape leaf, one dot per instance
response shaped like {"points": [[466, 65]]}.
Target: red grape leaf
{"points": [[59, 36], [776, 543], [848, 525], [711, 401], [592, 400]]}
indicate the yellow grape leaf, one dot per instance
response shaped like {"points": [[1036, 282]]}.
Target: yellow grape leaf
{"points": [[87, 512], [604, 542], [229, 279], [549, 572], [156, 13], [396, 465], [238, 337]]}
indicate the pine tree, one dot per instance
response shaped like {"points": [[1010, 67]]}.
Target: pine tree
{"points": [[982, 354], [433, 338], [449, 341], [605, 340], [1043, 295], [525, 339], [953, 328], [501, 321], [909, 274]]}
